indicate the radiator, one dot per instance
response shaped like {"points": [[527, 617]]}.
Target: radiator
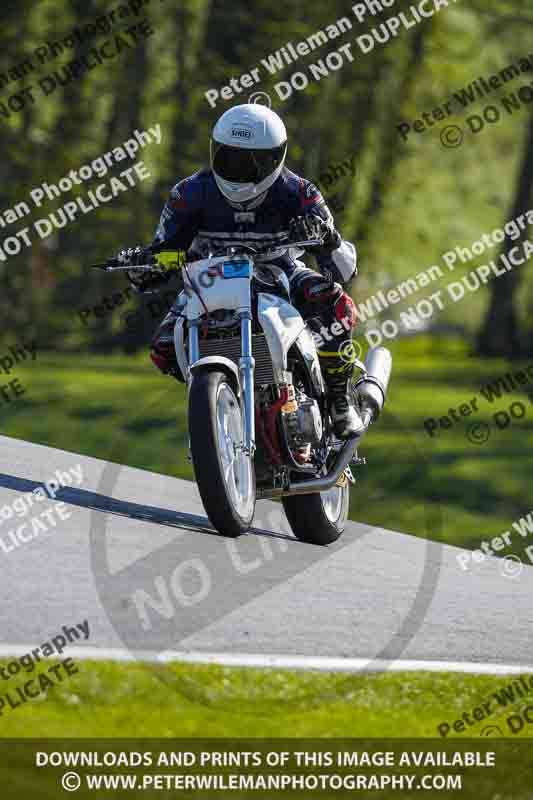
{"points": [[231, 348]]}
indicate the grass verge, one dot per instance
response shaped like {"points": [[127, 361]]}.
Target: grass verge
{"points": [[106, 699]]}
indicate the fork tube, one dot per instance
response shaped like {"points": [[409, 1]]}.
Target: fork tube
{"points": [[246, 366], [194, 347]]}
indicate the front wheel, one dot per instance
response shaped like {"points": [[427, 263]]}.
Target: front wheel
{"points": [[225, 475], [318, 518]]}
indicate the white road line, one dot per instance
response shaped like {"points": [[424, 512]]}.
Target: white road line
{"points": [[311, 663]]}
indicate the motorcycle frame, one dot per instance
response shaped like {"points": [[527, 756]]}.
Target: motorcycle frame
{"points": [[281, 323]]}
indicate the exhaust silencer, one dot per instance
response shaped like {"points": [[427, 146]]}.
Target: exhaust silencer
{"points": [[372, 387]]}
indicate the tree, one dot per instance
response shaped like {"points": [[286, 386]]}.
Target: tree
{"points": [[500, 334]]}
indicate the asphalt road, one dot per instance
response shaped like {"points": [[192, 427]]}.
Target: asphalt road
{"points": [[137, 558]]}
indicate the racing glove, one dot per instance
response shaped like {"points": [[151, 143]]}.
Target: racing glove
{"points": [[312, 227], [337, 259], [140, 256]]}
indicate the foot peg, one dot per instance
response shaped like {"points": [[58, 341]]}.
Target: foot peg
{"points": [[346, 477]]}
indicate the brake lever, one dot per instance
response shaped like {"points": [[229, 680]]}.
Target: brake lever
{"points": [[285, 246], [105, 268], [308, 243]]}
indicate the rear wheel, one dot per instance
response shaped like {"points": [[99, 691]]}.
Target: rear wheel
{"points": [[318, 518], [225, 475]]}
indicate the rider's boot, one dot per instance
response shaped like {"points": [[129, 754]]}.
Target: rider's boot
{"points": [[163, 353], [338, 376]]}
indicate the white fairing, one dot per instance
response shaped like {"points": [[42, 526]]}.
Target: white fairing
{"points": [[216, 292], [307, 347], [345, 259], [282, 324], [179, 345]]}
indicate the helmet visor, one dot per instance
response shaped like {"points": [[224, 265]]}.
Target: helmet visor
{"points": [[240, 165]]}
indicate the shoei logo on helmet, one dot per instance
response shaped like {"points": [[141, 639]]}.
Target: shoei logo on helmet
{"points": [[241, 133]]}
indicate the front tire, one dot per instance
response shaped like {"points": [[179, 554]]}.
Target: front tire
{"points": [[225, 476], [318, 518]]}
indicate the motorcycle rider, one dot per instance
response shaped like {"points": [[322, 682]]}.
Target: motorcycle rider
{"points": [[249, 196]]}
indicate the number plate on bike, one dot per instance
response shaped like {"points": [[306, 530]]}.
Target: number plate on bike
{"points": [[237, 268]]}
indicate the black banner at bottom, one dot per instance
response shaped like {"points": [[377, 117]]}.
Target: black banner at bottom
{"points": [[266, 768]]}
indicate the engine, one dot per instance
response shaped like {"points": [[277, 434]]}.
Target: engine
{"points": [[303, 424]]}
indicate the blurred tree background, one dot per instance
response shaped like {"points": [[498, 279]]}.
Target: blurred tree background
{"points": [[408, 203]]}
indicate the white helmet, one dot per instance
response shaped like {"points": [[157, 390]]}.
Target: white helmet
{"points": [[248, 149]]}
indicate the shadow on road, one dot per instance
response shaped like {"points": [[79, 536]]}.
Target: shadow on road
{"points": [[109, 505]]}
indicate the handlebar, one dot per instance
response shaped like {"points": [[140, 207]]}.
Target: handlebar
{"points": [[114, 265], [109, 266]]}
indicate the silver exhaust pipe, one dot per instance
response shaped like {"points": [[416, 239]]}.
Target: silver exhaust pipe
{"points": [[372, 388], [372, 392]]}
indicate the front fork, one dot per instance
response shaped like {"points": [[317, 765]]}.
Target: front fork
{"points": [[246, 370]]}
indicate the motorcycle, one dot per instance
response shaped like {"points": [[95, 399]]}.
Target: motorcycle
{"points": [[258, 416]]}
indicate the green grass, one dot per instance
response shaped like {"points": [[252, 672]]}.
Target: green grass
{"points": [[134, 708], [117, 700], [445, 488]]}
